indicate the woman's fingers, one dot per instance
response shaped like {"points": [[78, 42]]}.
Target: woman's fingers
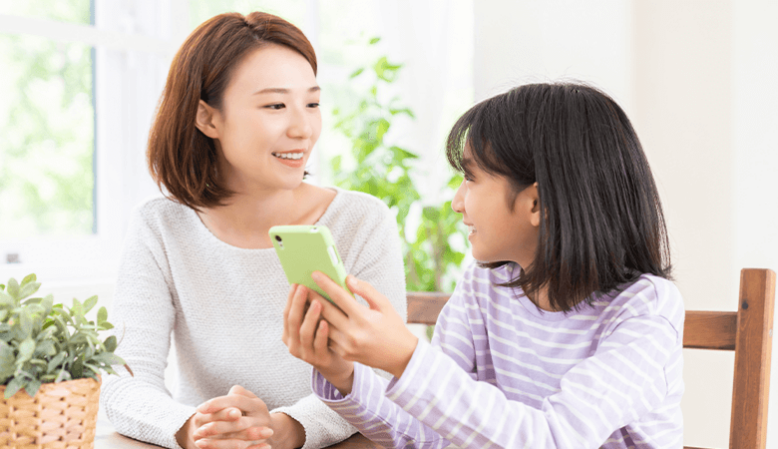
{"points": [[238, 401], [238, 430], [225, 414], [231, 444]]}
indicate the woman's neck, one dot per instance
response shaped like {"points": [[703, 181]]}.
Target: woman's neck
{"points": [[246, 219]]}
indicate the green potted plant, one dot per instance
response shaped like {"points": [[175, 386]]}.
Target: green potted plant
{"points": [[386, 171], [50, 364]]}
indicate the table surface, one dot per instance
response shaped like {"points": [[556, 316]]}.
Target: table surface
{"points": [[107, 438]]}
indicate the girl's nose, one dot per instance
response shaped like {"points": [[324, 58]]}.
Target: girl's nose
{"points": [[458, 203]]}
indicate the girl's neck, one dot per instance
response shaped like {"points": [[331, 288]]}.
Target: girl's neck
{"points": [[540, 298]]}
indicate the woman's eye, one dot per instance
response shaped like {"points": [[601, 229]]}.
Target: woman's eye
{"points": [[313, 105], [276, 106]]}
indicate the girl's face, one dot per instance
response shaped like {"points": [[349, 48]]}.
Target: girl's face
{"points": [[268, 122], [497, 233]]}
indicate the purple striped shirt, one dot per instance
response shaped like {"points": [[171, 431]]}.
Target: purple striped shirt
{"points": [[502, 373]]}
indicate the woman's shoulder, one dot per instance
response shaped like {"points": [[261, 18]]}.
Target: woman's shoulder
{"points": [[161, 214], [352, 210], [359, 201]]}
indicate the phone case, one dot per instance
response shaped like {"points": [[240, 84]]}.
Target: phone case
{"points": [[305, 249]]}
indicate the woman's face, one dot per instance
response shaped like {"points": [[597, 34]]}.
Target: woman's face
{"points": [[268, 122]]}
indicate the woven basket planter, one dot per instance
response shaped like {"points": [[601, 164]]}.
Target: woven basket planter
{"points": [[60, 416]]}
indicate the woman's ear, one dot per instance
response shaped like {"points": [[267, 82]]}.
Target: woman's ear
{"points": [[205, 120]]}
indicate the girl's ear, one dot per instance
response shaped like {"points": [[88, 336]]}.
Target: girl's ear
{"points": [[535, 198], [204, 120]]}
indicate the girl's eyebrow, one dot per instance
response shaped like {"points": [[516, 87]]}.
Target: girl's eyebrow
{"points": [[281, 90]]}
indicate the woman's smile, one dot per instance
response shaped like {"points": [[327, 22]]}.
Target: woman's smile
{"points": [[294, 159]]}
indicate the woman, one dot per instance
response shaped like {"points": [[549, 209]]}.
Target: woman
{"points": [[235, 127]]}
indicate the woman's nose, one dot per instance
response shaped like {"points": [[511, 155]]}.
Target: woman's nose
{"points": [[300, 126], [458, 203]]}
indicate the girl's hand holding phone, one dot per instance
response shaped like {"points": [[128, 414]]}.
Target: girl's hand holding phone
{"points": [[306, 336], [375, 336]]}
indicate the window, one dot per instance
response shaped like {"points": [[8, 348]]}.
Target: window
{"points": [[47, 118], [85, 77]]}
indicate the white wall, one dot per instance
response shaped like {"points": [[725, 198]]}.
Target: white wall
{"points": [[698, 80], [684, 96], [517, 42]]}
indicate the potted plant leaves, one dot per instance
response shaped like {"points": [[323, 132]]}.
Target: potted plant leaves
{"points": [[50, 364]]}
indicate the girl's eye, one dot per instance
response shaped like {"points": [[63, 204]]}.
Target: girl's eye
{"points": [[276, 106], [313, 105]]}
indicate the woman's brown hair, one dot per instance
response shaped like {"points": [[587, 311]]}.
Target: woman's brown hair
{"points": [[180, 157]]}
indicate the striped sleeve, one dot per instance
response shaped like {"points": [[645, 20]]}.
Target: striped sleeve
{"points": [[438, 401], [621, 382]]}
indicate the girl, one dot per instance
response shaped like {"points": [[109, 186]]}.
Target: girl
{"points": [[566, 334], [235, 127]]}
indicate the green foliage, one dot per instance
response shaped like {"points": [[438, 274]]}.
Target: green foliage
{"points": [[44, 342], [385, 171], [47, 120]]}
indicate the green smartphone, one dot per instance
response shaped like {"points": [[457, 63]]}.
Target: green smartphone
{"points": [[305, 249]]}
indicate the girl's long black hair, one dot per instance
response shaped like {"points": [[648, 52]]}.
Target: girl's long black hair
{"points": [[601, 223]]}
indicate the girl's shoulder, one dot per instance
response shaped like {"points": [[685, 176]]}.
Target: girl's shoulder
{"points": [[649, 295], [477, 283]]}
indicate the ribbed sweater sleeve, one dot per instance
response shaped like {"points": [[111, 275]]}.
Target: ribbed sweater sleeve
{"points": [[141, 406]]}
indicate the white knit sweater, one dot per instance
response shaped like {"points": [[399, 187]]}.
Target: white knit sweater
{"points": [[224, 307]]}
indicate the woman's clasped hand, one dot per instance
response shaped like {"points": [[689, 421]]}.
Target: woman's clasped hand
{"points": [[238, 420]]}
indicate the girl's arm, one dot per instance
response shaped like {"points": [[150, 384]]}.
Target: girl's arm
{"points": [[436, 399], [335, 377]]}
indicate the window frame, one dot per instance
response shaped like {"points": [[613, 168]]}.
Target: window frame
{"points": [[126, 40]]}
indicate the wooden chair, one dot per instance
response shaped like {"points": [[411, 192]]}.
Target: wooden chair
{"points": [[748, 332]]}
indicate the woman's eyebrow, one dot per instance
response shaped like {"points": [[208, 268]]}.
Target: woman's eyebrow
{"points": [[281, 90]]}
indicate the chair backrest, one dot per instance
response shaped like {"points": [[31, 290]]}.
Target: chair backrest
{"points": [[748, 332]]}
